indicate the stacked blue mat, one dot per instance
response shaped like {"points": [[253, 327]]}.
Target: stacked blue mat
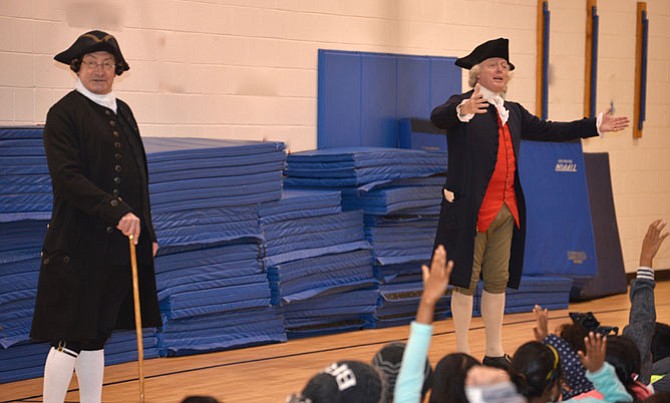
{"points": [[213, 291], [318, 263], [25, 186], [399, 192], [25, 207]]}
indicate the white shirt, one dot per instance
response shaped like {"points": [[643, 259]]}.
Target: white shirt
{"points": [[107, 100], [492, 98]]}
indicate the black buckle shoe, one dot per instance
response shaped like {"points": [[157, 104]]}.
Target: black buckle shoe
{"points": [[498, 362]]}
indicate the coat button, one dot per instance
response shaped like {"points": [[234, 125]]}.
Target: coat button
{"points": [[115, 133], [107, 112], [118, 168], [46, 260], [66, 259], [117, 145], [109, 230], [115, 192], [114, 203], [112, 123], [117, 156], [117, 180]]}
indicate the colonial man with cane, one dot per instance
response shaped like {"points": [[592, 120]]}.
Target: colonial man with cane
{"points": [[99, 177]]}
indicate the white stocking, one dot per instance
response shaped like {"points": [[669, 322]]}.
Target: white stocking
{"points": [[58, 374], [90, 367], [493, 310], [461, 312]]}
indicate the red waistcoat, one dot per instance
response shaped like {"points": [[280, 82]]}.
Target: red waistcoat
{"points": [[501, 186]]}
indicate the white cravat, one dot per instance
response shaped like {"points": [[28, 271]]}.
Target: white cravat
{"points": [[492, 98], [107, 100]]}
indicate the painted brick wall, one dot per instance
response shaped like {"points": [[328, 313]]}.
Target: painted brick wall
{"points": [[247, 69]]}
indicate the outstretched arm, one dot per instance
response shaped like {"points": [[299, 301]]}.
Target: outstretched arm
{"points": [[642, 316], [435, 281]]}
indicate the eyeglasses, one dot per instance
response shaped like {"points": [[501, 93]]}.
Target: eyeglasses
{"points": [[494, 65], [92, 65]]}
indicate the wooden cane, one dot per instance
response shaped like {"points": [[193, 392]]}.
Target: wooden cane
{"points": [[138, 317]]}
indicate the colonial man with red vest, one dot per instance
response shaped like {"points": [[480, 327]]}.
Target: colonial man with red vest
{"points": [[482, 218]]}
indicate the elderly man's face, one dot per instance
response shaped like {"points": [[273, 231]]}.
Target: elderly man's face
{"points": [[97, 72], [494, 74]]}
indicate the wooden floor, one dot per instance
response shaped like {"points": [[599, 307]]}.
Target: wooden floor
{"points": [[269, 373]]}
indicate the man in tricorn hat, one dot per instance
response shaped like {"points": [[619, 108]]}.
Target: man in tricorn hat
{"points": [[100, 196], [482, 218]]}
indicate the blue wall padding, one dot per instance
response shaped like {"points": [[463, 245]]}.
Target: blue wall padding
{"points": [[559, 238], [420, 134], [339, 110], [378, 95], [362, 95]]}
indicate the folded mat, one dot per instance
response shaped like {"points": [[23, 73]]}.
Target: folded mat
{"points": [[218, 331]]}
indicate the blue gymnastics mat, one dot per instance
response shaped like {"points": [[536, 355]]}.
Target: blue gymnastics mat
{"points": [[207, 225], [327, 314], [220, 331], [400, 197], [400, 301], [296, 204], [355, 166], [313, 232]]}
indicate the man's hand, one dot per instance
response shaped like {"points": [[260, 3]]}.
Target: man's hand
{"points": [[476, 103], [129, 224], [154, 248], [596, 347], [611, 123], [541, 328], [652, 242]]}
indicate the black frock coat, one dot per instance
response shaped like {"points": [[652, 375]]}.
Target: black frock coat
{"points": [[472, 150], [99, 173]]}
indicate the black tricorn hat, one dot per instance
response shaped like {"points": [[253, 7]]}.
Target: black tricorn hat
{"points": [[493, 48], [94, 41]]}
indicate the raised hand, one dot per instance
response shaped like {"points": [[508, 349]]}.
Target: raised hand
{"points": [[596, 347], [435, 283], [652, 242], [436, 279], [476, 103], [541, 328]]}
